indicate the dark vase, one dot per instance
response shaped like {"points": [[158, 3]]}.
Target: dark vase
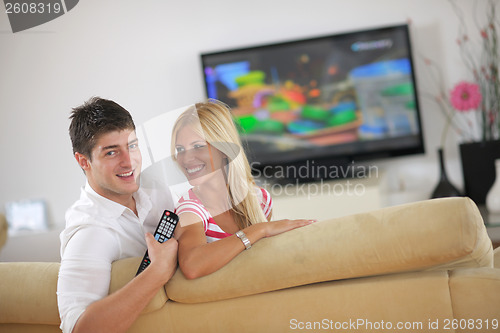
{"points": [[478, 168], [444, 188]]}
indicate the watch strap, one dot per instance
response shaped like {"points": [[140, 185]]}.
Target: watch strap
{"points": [[241, 235]]}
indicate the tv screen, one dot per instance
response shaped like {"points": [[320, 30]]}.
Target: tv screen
{"points": [[326, 101]]}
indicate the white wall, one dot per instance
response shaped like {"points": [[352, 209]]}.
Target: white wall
{"points": [[145, 55]]}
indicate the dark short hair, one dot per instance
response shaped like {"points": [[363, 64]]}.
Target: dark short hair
{"points": [[96, 117]]}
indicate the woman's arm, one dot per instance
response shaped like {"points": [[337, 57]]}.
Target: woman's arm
{"points": [[198, 258]]}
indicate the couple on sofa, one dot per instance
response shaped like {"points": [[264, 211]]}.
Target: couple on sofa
{"points": [[219, 216]]}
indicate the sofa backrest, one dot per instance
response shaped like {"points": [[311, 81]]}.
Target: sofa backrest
{"points": [[432, 234]]}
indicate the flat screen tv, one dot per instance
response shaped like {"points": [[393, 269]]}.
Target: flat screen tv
{"points": [[321, 104]]}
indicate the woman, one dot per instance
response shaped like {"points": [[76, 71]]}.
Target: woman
{"points": [[220, 216]]}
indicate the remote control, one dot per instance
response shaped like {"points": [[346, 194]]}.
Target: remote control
{"points": [[164, 232]]}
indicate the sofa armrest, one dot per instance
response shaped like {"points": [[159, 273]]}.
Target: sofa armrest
{"points": [[3, 230], [123, 271], [432, 234], [28, 293], [28, 290]]}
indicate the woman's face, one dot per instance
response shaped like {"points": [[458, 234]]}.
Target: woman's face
{"points": [[197, 159]]}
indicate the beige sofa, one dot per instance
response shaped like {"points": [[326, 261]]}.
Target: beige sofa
{"points": [[421, 267], [3, 230]]}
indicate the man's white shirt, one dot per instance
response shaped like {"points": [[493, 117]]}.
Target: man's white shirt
{"points": [[98, 232]]}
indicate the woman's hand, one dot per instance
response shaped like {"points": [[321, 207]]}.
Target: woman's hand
{"points": [[278, 227]]}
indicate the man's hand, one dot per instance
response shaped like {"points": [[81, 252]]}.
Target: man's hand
{"points": [[163, 256]]}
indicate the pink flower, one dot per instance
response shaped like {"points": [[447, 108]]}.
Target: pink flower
{"points": [[465, 96]]}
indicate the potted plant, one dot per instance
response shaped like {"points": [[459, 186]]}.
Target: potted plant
{"points": [[472, 107]]}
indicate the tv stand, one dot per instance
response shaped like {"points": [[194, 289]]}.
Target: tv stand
{"points": [[324, 199]]}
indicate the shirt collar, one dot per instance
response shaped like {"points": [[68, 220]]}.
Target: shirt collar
{"points": [[111, 209], [105, 208], [143, 203]]}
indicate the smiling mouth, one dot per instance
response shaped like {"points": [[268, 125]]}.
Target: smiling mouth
{"points": [[194, 169], [126, 174]]}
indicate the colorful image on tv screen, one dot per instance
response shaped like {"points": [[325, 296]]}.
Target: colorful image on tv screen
{"points": [[338, 90]]}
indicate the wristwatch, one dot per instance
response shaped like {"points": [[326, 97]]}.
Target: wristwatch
{"points": [[241, 235]]}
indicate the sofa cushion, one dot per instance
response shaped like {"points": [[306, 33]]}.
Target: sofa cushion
{"points": [[470, 290], [410, 298], [496, 256], [429, 235]]}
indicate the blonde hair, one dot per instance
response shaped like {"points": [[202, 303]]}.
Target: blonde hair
{"points": [[213, 119]]}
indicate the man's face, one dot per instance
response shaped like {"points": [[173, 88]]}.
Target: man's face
{"points": [[115, 166]]}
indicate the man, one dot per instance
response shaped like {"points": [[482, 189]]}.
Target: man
{"points": [[108, 223]]}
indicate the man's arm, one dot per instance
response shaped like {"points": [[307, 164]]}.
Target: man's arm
{"points": [[85, 274], [118, 311]]}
